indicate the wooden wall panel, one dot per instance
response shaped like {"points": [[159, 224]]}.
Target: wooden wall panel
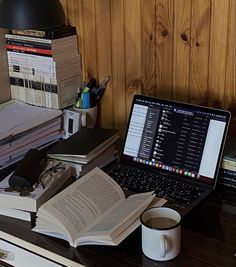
{"points": [[181, 49], [181, 52], [89, 52], [218, 47], [103, 45], [230, 76], [164, 47], [118, 64], [132, 26], [199, 54], [148, 43]]}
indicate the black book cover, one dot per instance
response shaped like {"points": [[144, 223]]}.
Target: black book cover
{"points": [[84, 142]]}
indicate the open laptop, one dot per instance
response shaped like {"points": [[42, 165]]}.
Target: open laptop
{"points": [[173, 149]]}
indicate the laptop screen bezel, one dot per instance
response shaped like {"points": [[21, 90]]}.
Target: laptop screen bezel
{"points": [[221, 112]]}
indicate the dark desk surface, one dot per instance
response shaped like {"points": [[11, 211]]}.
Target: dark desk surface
{"points": [[208, 239]]}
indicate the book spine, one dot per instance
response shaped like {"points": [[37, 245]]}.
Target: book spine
{"points": [[29, 58], [17, 85], [48, 71], [28, 44], [55, 97], [27, 88], [227, 183], [40, 40], [27, 38], [229, 162], [34, 33], [62, 55], [30, 50], [49, 85], [231, 156], [227, 179], [31, 64], [39, 91], [228, 173], [48, 33], [228, 166]]}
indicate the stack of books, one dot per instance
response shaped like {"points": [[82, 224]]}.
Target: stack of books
{"points": [[227, 174], [86, 149], [24, 127], [23, 202], [44, 71]]}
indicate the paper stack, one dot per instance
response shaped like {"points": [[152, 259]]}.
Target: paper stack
{"points": [[24, 127]]}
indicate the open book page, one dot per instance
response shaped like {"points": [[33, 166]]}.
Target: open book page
{"points": [[80, 205], [118, 220]]}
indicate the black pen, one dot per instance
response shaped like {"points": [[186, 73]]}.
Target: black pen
{"points": [[102, 88]]}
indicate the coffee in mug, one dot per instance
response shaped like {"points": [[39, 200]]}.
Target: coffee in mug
{"points": [[161, 233], [161, 222]]}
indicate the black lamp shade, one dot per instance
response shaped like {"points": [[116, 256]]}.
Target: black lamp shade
{"points": [[31, 14]]}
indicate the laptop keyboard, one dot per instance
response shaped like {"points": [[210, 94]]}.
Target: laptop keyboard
{"points": [[136, 180]]}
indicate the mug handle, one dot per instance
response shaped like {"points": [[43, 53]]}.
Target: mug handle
{"points": [[84, 119], [162, 250]]}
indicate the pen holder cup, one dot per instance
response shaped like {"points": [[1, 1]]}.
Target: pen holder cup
{"points": [[88, 116]]}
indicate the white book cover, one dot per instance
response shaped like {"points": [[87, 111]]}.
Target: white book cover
{"points": [[16, 213]]}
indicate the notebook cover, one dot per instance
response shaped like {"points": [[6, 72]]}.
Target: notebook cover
{"points": [[83, 142]]}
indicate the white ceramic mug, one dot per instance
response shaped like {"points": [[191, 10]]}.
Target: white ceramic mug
{"points": [[161, 233], [88, 116]]}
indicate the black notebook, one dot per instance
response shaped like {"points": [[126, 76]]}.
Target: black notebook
{"points": [[84, 145], [173, 149]]}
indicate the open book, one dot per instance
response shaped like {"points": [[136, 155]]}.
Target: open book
{"points": [[92, 210]]}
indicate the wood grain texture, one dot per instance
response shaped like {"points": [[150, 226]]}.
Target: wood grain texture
{"points": [[181, 54], [218, 47], [181, 49], [103, 45], [118, 64], [148, 44], [164, 47], [89, 52], [132, 26], [199, 54], [230, 75], [177, 49]]}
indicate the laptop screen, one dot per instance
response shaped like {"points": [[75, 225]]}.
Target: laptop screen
{"points": [[176, 137]]}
